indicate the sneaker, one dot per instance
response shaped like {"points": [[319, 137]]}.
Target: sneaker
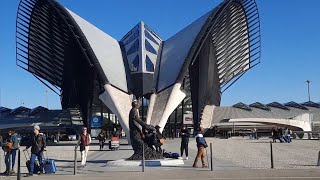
{"points": [[12, 172], [28, 175], [204, 166], [186, 158], [6, 173]]}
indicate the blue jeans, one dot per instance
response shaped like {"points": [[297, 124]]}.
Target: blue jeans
{"points": [[13, 153], [33, 159]]}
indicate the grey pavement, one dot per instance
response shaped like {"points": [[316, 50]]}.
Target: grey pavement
{"points": [[230, 157], [265, 174]]}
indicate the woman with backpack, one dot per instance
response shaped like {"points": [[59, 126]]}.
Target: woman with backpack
{"points": [[11, 146]]}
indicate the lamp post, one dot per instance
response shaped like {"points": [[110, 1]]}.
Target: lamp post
{"points": [[308, 82], [46, 95]]}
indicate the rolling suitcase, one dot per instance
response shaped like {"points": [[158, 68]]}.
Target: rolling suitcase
{"points": [[49, 165], [36, 168]]}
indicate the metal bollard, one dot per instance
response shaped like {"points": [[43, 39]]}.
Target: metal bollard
{"points": [[143, 158], [318, 164], [19, 165], [211, 161], [75, 160], [271, 155]]}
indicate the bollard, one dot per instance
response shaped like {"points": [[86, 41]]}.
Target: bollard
{"points": [[19, 165], [318, 164], [143, 158], [271, 155], [75, 160], [211, 162]]}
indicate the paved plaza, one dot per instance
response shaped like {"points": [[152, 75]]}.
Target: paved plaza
{"points": [[230, 156]]}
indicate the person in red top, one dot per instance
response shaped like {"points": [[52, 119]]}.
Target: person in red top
{"points": [[84, 142]]}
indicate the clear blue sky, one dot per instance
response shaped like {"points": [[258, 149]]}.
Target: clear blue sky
{"points": [[290, 46]]}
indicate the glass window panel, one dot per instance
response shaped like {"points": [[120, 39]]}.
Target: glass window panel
{"points": [[149, 36], [134, 67], [149, 64], [134, 47], [150, 48]]}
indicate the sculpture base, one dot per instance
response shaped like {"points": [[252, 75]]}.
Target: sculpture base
{"points": [[150, 163]]}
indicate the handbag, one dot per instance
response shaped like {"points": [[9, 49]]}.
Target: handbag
{"points": [[7, 147]]}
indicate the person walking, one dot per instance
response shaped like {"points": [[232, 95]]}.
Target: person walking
{"points": [[115, 133], [13, 144], [185, 135], [102, 139], [287, 137], [201, 145], [84, 141], [38, 145]]}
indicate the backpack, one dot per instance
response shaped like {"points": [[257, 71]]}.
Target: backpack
{"points": [[16, 141]]}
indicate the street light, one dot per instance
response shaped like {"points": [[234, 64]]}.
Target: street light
{"points": [[308, 82], [46, 95]]}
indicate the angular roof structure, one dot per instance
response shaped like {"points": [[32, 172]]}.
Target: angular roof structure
{"points": [[295, 105], [19, 110], [38, 109], [278, 105], [4, 109], [242, 106], [311, 104], [82, 64], [260, 106]]}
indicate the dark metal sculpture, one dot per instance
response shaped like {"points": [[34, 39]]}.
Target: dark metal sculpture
{"points": [[141, 135]]}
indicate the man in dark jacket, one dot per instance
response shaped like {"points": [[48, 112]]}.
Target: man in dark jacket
{"points": [[201, 144], [115, 132], [102, 138], [38, 145], [184, 134]]}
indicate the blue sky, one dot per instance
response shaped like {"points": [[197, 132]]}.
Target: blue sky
{"points": [[290, 46]]}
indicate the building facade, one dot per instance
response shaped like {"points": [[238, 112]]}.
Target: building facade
{"points": [[99, 75]]}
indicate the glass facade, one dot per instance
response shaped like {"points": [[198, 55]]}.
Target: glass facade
{"points": [[134, 66], [149, 64], [150, 48], [134, 47], [149, 36]]}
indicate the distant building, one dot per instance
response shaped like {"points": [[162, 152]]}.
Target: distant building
{"points": [[295, 116], [25, 118], [100, 76]]}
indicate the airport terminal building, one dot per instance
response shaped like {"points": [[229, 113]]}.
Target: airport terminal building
{"points": [[177, 80]]}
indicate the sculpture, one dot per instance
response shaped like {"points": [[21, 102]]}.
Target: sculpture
{"points": [[141, 135]]}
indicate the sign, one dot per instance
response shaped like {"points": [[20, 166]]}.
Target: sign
{"points": [[96, 121], [187, 119]]}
